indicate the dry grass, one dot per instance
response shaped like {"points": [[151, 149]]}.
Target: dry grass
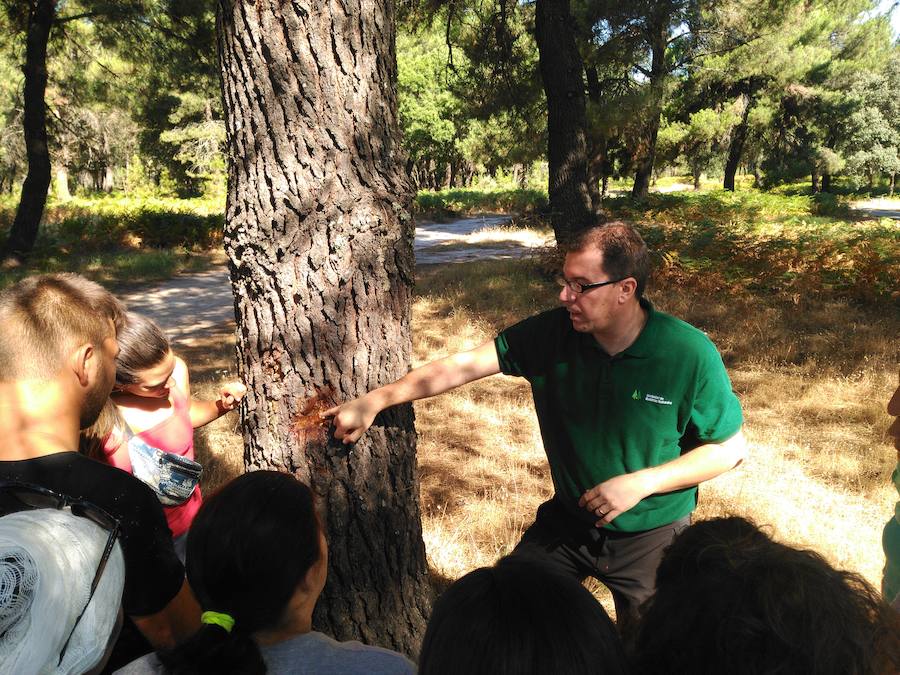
{"points": [[814, 380], [218, 445]]}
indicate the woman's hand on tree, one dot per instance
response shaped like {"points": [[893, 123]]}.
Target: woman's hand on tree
{"points": [[230, 395]]}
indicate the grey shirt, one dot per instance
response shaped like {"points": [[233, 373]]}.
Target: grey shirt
{"points": [[310, 653]]}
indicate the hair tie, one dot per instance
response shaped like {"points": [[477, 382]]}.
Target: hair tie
{"points": [[225, 621]]}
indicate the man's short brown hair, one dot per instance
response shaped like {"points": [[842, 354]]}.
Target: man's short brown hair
{"points": [[624, 251], [43, 317]]}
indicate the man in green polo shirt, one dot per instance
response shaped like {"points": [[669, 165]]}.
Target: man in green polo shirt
{"points": [[635, 410]]}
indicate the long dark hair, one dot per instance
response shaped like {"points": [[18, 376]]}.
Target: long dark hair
{"points": [[142, 345], [729, 599], [248, 549], [517, 618]]}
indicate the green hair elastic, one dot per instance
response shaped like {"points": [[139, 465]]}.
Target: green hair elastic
{"points": [[225, 621]]}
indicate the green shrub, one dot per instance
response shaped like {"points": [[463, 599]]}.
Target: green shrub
{"points": [[767, 242], [465, 201], [101, 224]]}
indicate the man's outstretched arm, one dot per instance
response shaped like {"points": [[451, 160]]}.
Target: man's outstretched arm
{"points": [[618, 494], [351, 419]]}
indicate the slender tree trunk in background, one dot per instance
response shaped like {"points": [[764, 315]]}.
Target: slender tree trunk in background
{"points": [[826, 182], [647, 148], [319, 240], [892, 184], [62, 184], [595, 175], [24, 230], [597, 147], [567, 156], [738, 138], [814, 179]]}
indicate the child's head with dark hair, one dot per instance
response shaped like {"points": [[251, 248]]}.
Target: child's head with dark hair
{"points": [[254, 548], [519, 617], [142, 345], [144, 367], [729, 599]]}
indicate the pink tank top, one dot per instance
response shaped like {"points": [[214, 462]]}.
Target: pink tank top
{"points": [[174, 434]]}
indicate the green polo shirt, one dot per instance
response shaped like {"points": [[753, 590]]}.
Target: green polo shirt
{"points": [[603, 416]]}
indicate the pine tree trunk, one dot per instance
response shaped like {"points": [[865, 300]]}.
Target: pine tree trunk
{"points": [[567, 156], [319, 241], [738, 138], [24, 230], [647, 148]]}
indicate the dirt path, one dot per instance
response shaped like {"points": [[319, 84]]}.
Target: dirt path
{"points": [[190, 305], [186, 306], [879, 208]]}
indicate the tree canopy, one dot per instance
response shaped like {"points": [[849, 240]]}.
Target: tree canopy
{"points": [[783, 91]]}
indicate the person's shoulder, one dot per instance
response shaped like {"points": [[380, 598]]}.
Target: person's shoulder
{"points": [[323, 654], [677, 332], [549, 319], [180, 373], [78, 476], [553, 315], [148, 664], [112, 484]]}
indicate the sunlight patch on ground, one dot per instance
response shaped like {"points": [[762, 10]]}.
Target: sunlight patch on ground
{"points": [[523, 237]]}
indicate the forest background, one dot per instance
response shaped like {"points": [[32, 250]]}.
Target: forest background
{"points": [[775, 116]]}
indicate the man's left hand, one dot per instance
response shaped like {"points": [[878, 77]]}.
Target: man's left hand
{"points": [[613, 497]]}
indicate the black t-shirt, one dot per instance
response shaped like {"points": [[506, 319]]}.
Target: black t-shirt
{"points": [[153, 573]]}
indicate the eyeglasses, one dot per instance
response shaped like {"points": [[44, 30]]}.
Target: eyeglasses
{"points": [[37, 497], [579, 288]]}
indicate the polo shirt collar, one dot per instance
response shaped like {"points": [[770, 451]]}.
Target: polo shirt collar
{"points": [[643, 346]]}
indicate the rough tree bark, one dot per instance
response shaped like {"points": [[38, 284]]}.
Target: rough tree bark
{"points": [[567, 155], [24, 230], [319, 241]]}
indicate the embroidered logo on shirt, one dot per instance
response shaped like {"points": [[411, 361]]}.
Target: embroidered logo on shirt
{"points": [[636, 395], [654, 398]]}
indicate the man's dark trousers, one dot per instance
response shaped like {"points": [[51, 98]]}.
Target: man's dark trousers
{"points": [[625, 562]]}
